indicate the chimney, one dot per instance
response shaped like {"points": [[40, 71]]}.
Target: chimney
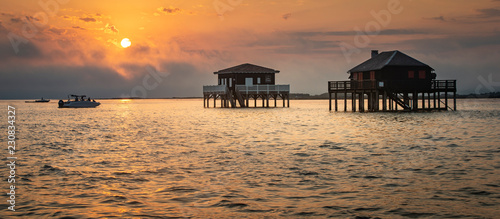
{"points": [[374, 53]]}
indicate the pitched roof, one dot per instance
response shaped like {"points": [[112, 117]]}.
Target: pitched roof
{"points": [[390, 58], [246, 68]]}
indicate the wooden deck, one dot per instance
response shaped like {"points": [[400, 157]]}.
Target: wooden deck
{"points": [[240, 95], [376, 96]]}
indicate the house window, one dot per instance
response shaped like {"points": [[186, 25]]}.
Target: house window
{"points": [[372, 75], [421, 74], [258, 80], [411, 74], [268, 79], [360, 76], [355, 76]]}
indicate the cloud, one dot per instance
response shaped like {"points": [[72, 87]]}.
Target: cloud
{"points": [[88, 19], [482, 15], [26, 50], [57, 31], [78, 27], [489, 13], [15, 20], [139, 49], [169, 10], [439, 18], [110, 29], [59, 81], [286, 16], [56, 81], [354, 33]]}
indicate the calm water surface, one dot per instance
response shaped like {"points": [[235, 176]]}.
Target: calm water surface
{"points": [[173, 158]]}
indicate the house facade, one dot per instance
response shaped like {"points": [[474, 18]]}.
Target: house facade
{"points": [[395, 70], [246, 74]]}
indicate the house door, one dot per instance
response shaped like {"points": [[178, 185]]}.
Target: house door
{"points": [[249, 81]]}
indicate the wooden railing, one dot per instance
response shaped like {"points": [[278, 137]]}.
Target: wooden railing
{"points": [[354, 85], [220, 89], [444, 84], [448, 85], [263, 89]]}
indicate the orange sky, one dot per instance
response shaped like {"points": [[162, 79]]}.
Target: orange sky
{"points": [[77, 42]]}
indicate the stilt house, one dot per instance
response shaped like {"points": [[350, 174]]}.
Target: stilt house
{"points": [[239, 84], [391, 79]]}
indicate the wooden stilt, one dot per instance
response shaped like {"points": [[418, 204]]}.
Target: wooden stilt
{"points": [[446, 100], [336, 103], [384, 101], [330, 100], [429, 100], [415, 101], [423, 100], [345, 101], [354, 101], [434, 97], [454, 101], [362, 102]]}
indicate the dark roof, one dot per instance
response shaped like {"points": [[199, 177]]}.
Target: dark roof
{"points": [[246, 69], [390, 58]]}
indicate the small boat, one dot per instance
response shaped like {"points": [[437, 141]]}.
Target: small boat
{"points": [[38, 101], [42, 101], [78, 101]]}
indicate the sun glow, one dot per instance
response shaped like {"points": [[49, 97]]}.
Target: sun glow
{"points": [[126, 43]]}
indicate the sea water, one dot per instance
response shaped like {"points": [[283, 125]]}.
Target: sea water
{"points": [[174, 158]]}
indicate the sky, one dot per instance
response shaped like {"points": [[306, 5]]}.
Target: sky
{"points": [[53, 48]]}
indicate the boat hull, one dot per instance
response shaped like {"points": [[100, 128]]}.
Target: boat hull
{"points": [[79, 104]]}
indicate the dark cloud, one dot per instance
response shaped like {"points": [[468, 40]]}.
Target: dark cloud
{"points": [[59, 81], [31, 18], [439, 18], [26, 49], [354, 33], [110, 29], [286, 16], [57, 31], [453, 43], [489, 12], [482, 15], [184, 80], [169, 10], [139, 49], [78, 27], [179, 79], [88, 19], [293, 43], [98, 55], [15, 20]]}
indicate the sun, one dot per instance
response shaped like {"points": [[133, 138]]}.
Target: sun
{"points": [[126, 43]]}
